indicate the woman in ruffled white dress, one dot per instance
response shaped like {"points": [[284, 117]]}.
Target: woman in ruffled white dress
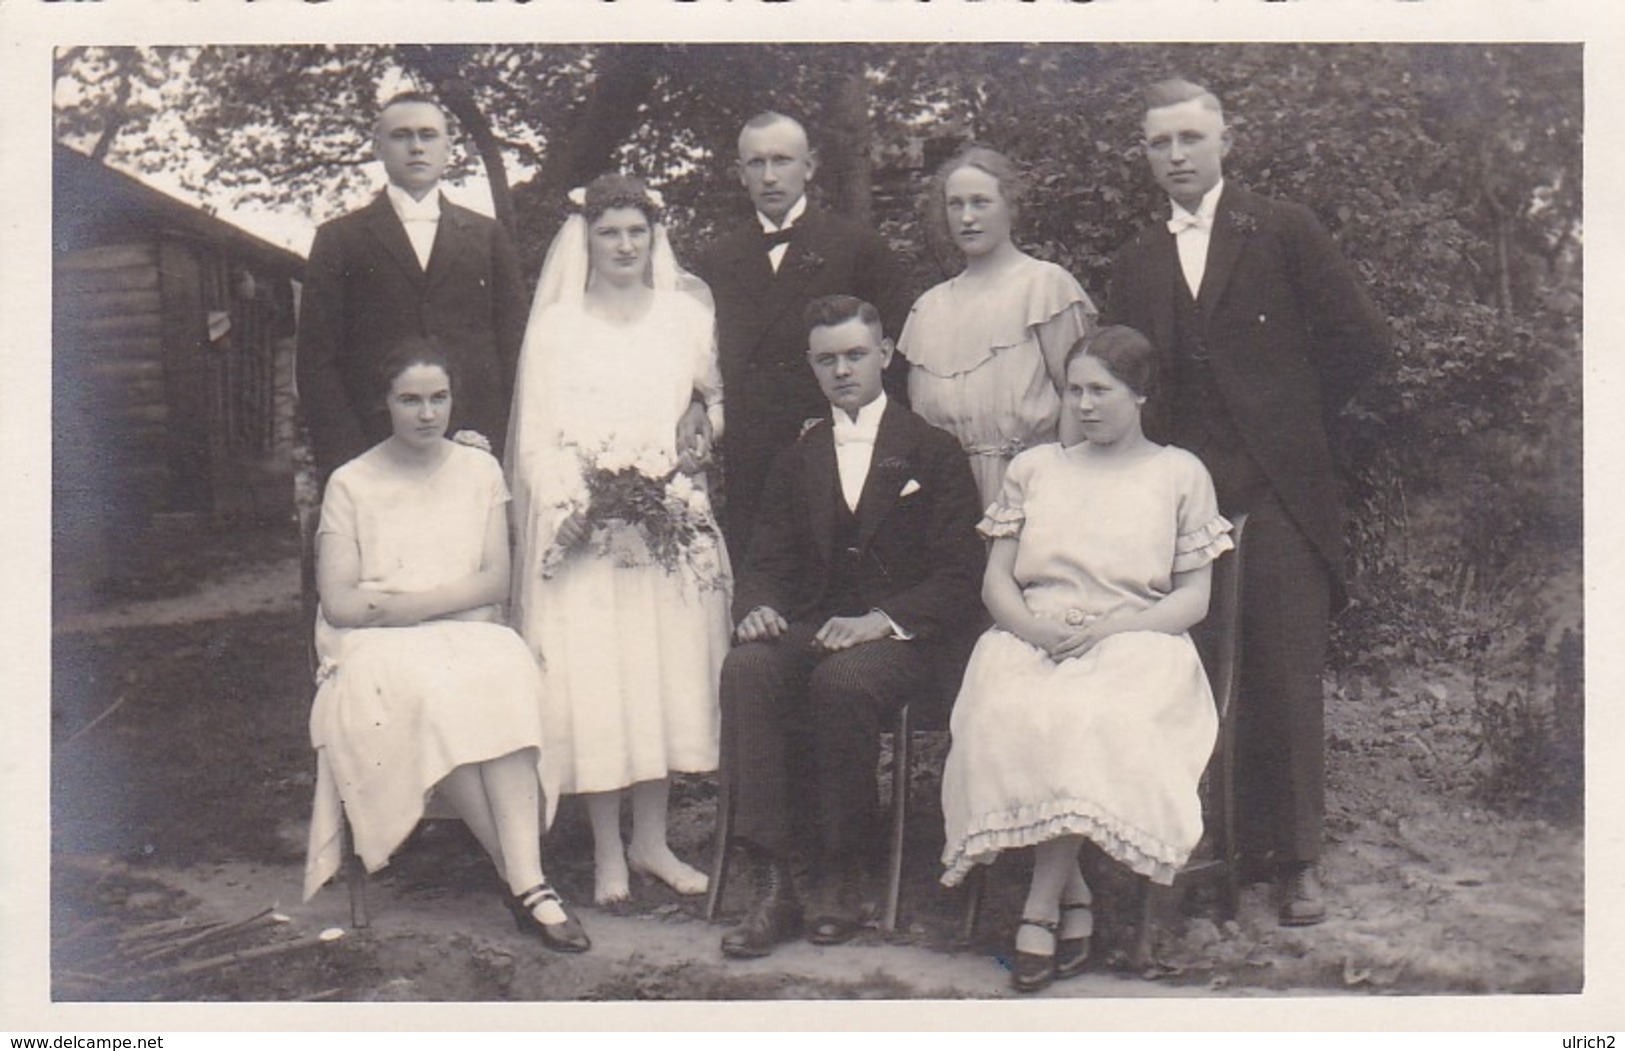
{"points": [[985, 347], [631, 640], [422, 687], [1085, 712]]}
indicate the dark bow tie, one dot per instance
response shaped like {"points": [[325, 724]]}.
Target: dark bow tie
{"points": [[773, 238]]}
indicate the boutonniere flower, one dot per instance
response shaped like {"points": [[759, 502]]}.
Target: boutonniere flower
{"points": [[1244, 222], [808, 260]]}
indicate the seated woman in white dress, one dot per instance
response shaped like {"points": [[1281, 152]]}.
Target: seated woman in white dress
{"points": [[622, 583], [1085, 712], [422, 687]]}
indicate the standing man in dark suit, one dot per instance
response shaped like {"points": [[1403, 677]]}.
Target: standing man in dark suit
{"points": [[409, 264], [1265, 335], [864, 559], [762, 277]]}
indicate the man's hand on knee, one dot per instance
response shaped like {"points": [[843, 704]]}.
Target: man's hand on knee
{"points": [[842, 633], [763, 622]]}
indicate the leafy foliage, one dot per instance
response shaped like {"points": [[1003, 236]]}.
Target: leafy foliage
{"points": [[1450, 174]]}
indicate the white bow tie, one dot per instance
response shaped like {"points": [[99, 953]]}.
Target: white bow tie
{"points": [[849, 433], [1183, 221], [424, 211]]}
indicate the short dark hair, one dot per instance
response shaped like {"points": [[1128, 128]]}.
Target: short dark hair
{"points": [[615, 190], [1174, 90], [826, 311], [402, 97], [770, 117], [1125, 352], [410, 351]]}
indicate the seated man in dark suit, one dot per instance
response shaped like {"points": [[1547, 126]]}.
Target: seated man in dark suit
{"points": [[863, 560]]}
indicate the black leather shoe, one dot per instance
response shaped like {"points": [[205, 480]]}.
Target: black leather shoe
{"points": [[774, 918], [843, 907], [534, 912], [1031, 971], [1303, 901], [1072, 940]]}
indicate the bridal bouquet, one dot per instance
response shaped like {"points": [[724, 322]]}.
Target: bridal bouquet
{"points": [[641, 510]]}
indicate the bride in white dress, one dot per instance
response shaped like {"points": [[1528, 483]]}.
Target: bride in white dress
{"points": [[629, 619]]}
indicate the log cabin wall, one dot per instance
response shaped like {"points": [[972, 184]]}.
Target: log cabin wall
{"points": [[172, 350], [110, 468]]}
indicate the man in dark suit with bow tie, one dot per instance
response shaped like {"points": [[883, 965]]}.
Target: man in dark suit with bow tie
{"points": [[864, 561], [1265, 334], [409, 264], [762, 277]]}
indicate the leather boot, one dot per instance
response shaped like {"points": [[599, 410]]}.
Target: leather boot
{"points": [[774, 917], [1303, 900], [843, 905]]}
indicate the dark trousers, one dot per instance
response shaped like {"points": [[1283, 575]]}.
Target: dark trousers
{"points": [[801, 729], [1280, 720]]}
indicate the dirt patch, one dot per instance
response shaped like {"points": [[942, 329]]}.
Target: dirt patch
{"points": [[181, 779]]}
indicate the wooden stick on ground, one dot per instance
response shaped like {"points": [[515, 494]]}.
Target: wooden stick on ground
{"points": [[218, 963], [91, 725]]}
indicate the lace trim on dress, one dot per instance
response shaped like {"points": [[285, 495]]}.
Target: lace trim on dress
{"points": [[1197, 548], [945, 344], [1029, 825], [1001, 521]]}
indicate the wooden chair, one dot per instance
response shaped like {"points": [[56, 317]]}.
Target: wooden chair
{"points": [[355, 871], [908, 720], [1218, 640], [723, 841]]}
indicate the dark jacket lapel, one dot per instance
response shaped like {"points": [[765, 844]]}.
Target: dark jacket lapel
{"points": [[823, 489], [1162, 271], [802, 259], [887, 470], [450, 242], [386, 227], [1224, 248]]}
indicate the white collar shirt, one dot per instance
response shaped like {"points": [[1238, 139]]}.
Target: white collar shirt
{"points": [[775, 254], [855, 447], [420, 218], [1193, 231]]}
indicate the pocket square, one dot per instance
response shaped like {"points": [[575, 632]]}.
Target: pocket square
{"points": [[909, 489]]}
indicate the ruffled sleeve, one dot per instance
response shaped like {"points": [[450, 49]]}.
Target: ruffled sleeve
{"points": [[1204, 534], [948, 336], [1005, 516]]}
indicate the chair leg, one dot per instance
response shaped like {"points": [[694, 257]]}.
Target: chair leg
{"points": [[1227, 802], [355, 878], [902, 763], [722, 840], [975, 890]]}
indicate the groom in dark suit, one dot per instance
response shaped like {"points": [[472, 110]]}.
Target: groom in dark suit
{"points": [[409, 264], [864, 559], [762, 277], [1265, 335]]}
